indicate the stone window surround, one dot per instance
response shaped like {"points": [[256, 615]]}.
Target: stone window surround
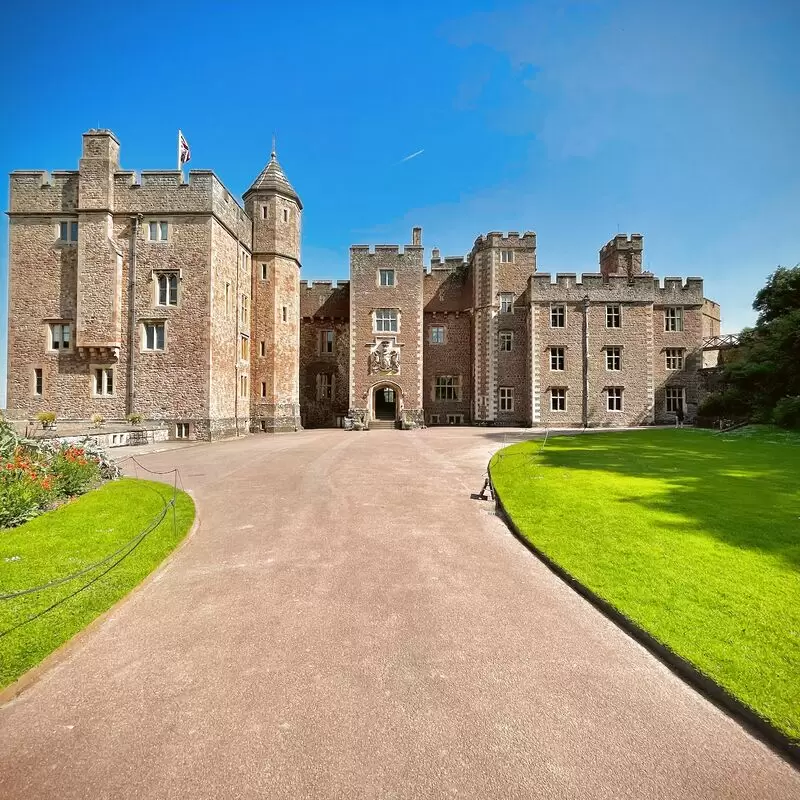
{"points": [[244, 309], [506, 339], [262, 348], [614, 393], [506, 256], [264, 271], [676, 355], [390, 273], [557, 355], [107, 368], [673, 319], [71, 231], [612, 353], [506, 302], [327, 344], [442, 339], [672, 395], [37, 377], [614, 314], [558, 310], [505, 398], [558, 397], [397, 320], [263, 389], [155, 277], [447, 389], [244, 385], [326, 383], [244, 347], [52, 324], [434, 419], [182, 430], [160, 238], [455, 419], [143, 325]]}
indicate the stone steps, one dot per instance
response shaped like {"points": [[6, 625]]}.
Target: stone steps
{"points": [[382, 425]]}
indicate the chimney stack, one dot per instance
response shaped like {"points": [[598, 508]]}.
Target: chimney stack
{"points": [[416, 237]]}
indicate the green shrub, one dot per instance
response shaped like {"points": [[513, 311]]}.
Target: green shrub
{"points": [[134, 418], [787, 412], [46, 417], [73, 471]]}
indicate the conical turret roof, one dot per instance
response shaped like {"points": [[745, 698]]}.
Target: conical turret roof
{"points": [[273, 180]]}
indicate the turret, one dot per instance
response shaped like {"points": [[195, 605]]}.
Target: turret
{"points": [[622, 255], [275, 209]]}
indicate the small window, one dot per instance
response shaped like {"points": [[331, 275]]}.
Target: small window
{"points": [[38, 382], [158, 231], [264, 212], [674, 358], [68, 231], [154, 336], [386, 277], [326, 342], [613, 317], [557, 358], [244, 384], [673, 319], [506, 341], [614, 398], [437, 334], [103, 384], [244, 310], [182, 430], [245, 262], [613, 359], [558, 316], [455, 419], [244, 348], [434, 419], [506, 256], [506, 397], [263, 388], [285, 313], [262, 348], [285, 214], [324, 386], [60, 336], [676, 399], [506, 303], [227, 299], [386, 320], [558, 399], [167, 285], [264, 272], [447, 387]]}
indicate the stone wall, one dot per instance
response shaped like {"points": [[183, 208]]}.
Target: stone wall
{"points": [[366, 295]]}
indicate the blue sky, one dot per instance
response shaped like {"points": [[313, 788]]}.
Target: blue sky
{"points": [[679, 120]]}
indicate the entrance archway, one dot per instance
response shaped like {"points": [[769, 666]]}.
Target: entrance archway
{"points": [[386, 402]]}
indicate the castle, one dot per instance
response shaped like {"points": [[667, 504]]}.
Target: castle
{"points": [[164, 298]]}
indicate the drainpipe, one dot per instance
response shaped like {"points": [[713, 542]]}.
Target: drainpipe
{"points": [[586, 361], [130, 394]]}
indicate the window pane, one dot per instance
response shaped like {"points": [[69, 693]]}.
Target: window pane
{"points": [[62, 231], [164, 228], [153, 231], [109, 381], [162, 290], [65, 335], [173, 290], [159, 337], [73, 228]]}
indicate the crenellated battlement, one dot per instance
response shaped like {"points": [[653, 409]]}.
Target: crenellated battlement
{"points": [[40, 191], [329, 299], [622, 241], [498, 238], [571, 287], [385, 249]]}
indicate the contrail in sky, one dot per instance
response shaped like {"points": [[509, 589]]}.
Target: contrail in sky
{"points": [[413, 155]]}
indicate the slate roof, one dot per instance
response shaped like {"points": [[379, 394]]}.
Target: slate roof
{"points": [[272, 179]]}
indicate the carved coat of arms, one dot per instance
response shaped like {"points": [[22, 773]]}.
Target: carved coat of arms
{"points": [[384, 358]]}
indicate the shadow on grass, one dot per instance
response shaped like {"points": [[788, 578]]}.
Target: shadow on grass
{"points": [[743, 491]]}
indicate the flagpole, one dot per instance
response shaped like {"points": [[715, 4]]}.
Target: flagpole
{"points": [[180, 166]]}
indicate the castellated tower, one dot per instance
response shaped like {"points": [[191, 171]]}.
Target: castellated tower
{"points": [[275, 208], [622, 256]]}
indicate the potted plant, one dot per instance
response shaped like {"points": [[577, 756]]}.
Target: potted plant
{"points": [[98, 420], [47, 419], [134, 419]]}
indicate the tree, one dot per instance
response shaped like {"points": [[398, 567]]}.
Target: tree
{"points": [[764, 377]]}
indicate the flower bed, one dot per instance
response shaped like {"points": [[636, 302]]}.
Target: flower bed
{"points": [[34, 476]]}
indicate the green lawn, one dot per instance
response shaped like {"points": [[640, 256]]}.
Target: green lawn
{"points": [[694, 536], [63, 542]]}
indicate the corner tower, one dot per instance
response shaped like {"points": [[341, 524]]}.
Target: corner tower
{"points": [[275, 208]]}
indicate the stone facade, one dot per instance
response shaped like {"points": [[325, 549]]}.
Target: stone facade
{"points": [[165, 297]]}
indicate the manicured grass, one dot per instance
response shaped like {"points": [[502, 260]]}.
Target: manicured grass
{"points": [[694, 536], [64, 541]]}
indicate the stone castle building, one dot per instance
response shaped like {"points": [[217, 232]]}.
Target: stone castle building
{"points": [[164, 297]]}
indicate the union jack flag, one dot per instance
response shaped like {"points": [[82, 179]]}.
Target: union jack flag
{"points": [[183, 149]]}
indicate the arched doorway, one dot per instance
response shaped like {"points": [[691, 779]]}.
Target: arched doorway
{"points": [[386, 402]]}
